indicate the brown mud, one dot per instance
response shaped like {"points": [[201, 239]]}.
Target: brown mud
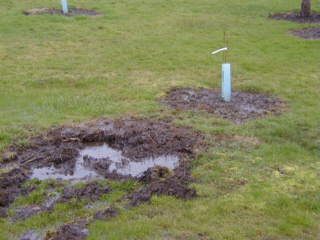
{"points": [[71, 12], [105, 214], [161, 181], [136, 138], [91, 190], [69, 231], [11, 187], [243, 106], [306, 33]]}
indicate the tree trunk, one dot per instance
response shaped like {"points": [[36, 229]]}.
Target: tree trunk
{"points": [[305, 8]]}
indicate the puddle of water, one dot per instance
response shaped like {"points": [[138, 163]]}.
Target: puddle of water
{"points": [[103, 153]]}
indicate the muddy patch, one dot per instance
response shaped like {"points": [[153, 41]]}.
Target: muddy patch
{"points": [[306, 33], [152, 152], [243, 106], [92, 190], [116, 149], [105, 214], [160, 181], [11, 186], [73, 230], [71, 12], [295, 17], [28, 211]]}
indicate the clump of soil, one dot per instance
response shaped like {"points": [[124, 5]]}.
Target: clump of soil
{"points": [[307, 33], [242, 106], [162, 182], [295, 17], [71, 12], [31, 210], [10, 185], [92, 190], [69, 231], [105, 214]]}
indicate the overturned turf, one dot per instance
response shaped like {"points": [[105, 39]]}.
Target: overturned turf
{"points": [[243, 106], [160, 181], [137, 139]]}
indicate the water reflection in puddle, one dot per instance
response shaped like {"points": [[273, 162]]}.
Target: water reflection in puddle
{"points": [[103, 153]]}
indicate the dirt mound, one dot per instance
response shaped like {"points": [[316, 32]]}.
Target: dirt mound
{"points": [[105, 214], [242, 106], [69, 231], [10, 185], [71, 12], [162, 182], [92, 190], [295, 17], [307, 33]]}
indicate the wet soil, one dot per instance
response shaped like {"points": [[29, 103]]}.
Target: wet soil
{"points": [[71, 12], [10, 186], [137, 139], [161, 181], [306, 33], [28, 211], [69, 231], [243, 106], [105, 214]]}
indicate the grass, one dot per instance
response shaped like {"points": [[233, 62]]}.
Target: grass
{"points": [[57, 69]]}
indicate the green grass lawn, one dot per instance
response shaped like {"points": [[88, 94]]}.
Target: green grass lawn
{"points": [[263, 184]]}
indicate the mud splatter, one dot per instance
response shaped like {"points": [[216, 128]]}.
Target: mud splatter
{"points": [[243, 106]]}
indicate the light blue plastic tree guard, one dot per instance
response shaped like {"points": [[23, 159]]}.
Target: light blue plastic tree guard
{"points": [[64, 6], [226, 82]]}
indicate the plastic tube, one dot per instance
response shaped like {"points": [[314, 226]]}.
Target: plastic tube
{"points": [[64, 6], [226, 82]]}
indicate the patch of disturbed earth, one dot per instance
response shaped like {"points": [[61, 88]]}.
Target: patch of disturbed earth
{"points": [[295, 17], [59, 146], [71, 12], [160, 181], [11, 187], [243, 106], [92, 190], [69, 231], [307, 33]]}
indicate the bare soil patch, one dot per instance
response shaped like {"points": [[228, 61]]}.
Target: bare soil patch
{"points": [[243, 106], [69, 231], [295, 17], [137, 138], [307, 33], [71, 12]]}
